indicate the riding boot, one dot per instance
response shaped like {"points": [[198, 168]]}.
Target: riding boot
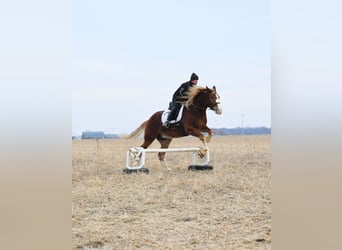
{"points": [[166, 124], [172, 115]]}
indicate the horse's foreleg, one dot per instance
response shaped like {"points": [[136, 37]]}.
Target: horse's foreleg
{"points": [[203, 150], [210, 133], [197, 133]]}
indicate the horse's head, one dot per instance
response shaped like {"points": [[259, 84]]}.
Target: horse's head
{"points": [[204, 98], [214, 100]]}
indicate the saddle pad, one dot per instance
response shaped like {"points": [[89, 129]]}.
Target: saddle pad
{"points": [[167, 112]]}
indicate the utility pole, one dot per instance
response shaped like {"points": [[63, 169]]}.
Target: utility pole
{"points": [[242, 132]]}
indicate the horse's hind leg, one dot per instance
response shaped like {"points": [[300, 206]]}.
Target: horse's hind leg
{"points": [[164, 142], [146, 143], [149, 137], [152, 128]]}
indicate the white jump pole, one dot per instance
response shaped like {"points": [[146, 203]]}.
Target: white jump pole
{"points": [[135, 159]]}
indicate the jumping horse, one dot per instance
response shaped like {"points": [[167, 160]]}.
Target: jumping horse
{"points": [[193, 122]]}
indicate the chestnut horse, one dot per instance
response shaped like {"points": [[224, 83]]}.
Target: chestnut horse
{"points": [[193, 121]]}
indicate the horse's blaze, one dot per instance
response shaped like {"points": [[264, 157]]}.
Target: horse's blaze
{"points": [[218, 109]]}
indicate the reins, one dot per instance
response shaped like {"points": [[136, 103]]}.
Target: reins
{"points": [[199, 107]]}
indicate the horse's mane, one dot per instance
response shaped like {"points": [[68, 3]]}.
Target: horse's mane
{"points": [[190, 95]]}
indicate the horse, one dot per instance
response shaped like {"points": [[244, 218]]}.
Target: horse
{"points": [[193, 122]]}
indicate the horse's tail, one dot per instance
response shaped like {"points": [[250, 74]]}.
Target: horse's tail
{"points": [[136, 132]]}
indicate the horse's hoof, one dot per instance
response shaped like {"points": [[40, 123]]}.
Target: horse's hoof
{"points": [[202, 153]]}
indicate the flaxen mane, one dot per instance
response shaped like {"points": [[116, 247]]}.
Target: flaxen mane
{"points": [[190, 95]]}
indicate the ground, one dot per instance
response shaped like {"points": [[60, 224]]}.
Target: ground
{"points": [[228, 207]]}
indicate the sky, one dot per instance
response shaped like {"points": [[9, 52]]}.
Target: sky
{"points": [[128, 57]]}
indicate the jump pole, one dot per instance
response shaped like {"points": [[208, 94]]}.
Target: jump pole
{"points": [[135, 158]]}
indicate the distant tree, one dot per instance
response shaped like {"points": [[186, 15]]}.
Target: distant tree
{"points": [[239, 131]]}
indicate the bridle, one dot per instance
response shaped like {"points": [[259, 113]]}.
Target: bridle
{"points": [[204, 108], [199, 107]]}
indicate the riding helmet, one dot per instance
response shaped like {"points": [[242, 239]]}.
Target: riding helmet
{"points": [[193, 77]]}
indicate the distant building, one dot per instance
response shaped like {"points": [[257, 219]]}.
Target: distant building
{"points": [[111, 136], [93, 135]]}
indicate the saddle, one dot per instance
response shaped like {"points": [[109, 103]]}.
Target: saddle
{"points": [[166, 113]]}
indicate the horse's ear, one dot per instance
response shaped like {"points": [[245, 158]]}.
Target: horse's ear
{"points": [[207, 87], [214, 88]]}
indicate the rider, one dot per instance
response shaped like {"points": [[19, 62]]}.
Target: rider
{"points": [[179, 93]]}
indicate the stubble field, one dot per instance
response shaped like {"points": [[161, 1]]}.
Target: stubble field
{"points": [[226, 208]]}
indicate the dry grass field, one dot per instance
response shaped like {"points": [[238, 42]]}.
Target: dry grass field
{"points": [[228, 207]]}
